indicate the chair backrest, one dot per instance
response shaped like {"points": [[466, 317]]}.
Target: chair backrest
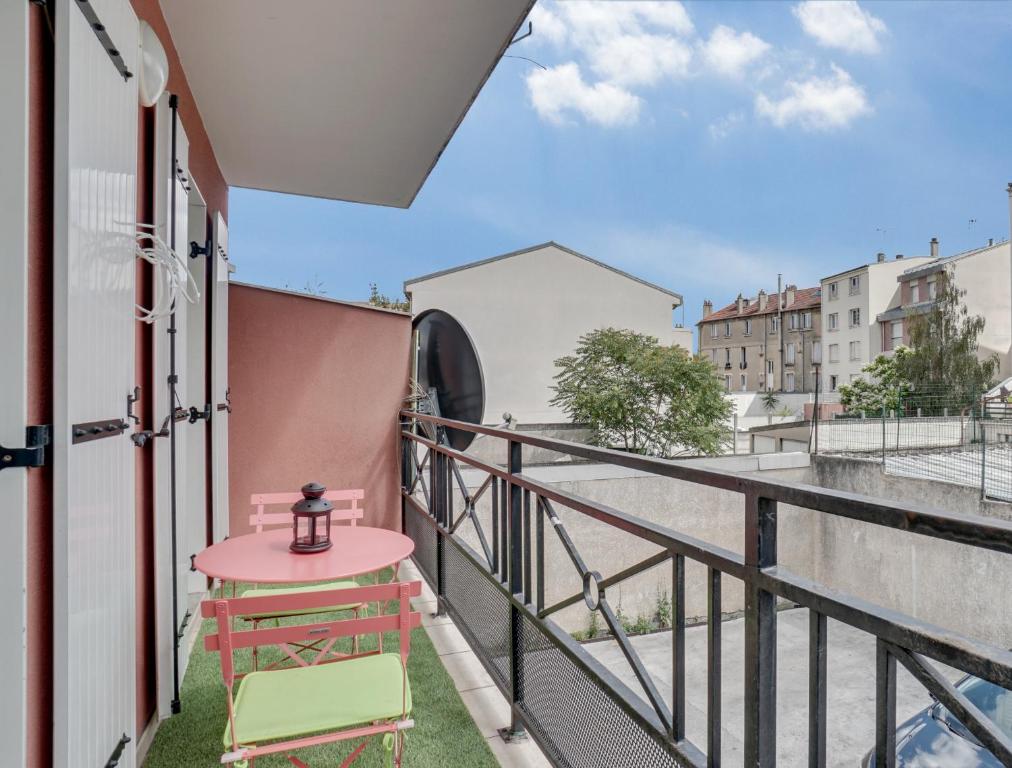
{"points": [[226, 640], [260, 518]]}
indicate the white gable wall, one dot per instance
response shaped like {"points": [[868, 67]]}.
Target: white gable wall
{"points": [[525, 311]]}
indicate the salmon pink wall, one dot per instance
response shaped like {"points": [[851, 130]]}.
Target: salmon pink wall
{"points": [[315, 388]]}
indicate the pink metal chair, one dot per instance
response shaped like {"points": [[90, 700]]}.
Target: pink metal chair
{"points": [[260, 518], [323, 700]]}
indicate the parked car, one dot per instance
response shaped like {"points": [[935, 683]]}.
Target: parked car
{"points": [[934, 738]]}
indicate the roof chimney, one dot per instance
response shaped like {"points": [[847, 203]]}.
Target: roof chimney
{"points": [[707, 308], [789, 292], [899, 256], [990, 242], [741, 303], [763, 300], [934, 247], [880, 257]]}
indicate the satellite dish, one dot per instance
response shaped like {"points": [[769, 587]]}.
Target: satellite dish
{"points": [[449, 372]]}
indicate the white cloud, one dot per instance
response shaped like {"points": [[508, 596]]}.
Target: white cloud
{"points": [[817, 103], [840, 24], [722, 127], [560, 90], [633, 60], [626, 45], [730, 53]]}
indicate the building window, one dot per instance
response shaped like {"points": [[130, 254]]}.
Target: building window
{"points": [[744, 383], [915, 292], [789, 382], [743, 360], [769, 366], [855, 285], [806, 319], [727, 382], [714, 331], [833, 321], [932, 289], [774, 324], [816, 351], [855, 350], [713, 356], [790, 353], [834, 290], [855, 317], [832, 383], [727, 329], [834, 353], [727, 356], [748, 327], [895, 334], [854, 377], [792, 321]]}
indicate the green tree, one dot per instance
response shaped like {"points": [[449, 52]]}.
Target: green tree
{"points": [[378, 299], [883, 387], [642, 396], [943, 367], [770, 402]]}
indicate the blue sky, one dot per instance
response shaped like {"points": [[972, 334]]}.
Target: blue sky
{"points": [[702, 146]]}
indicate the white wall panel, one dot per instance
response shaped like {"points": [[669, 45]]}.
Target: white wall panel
{"points": [[13, 392], [219, 378], [95, 210]]}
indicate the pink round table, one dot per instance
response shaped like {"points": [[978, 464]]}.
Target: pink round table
{"points": [[264, 558]]}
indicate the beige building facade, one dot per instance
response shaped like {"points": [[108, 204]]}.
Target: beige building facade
{"points": [[525, 309], [757, 344]]}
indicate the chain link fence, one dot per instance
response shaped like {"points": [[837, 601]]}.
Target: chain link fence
{"points": [[930, 435]]}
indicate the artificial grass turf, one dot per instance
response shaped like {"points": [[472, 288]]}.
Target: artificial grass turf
{"points": [[444, 735]]}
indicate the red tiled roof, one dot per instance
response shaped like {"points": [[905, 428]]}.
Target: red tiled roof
{"points": [[804, 298]]}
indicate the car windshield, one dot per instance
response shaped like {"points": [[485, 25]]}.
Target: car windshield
{"points": [[993, 701]]}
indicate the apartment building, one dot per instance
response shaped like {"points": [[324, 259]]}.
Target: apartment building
{"points": [[761, 344], [853, 300], [984, 273]]}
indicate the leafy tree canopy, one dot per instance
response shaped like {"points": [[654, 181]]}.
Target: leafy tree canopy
{"points": [[642, 396], [943, 356], [883, 388]]}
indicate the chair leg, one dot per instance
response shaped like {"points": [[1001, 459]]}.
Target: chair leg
{"points": [[256, 649], [354, 640]]}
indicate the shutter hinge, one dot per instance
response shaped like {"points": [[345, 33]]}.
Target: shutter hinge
{"points": [[33, 455], [117, 753]]}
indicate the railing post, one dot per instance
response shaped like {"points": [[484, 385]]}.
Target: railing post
{"points": [[760, 634], [515, 730], [437, 469]]}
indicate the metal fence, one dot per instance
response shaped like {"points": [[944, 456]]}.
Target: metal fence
{"points": [[580, 713], [965, 445]]}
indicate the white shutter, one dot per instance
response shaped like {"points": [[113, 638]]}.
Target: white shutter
{"points": [[95, 198], [13, 383], [219, 377]]}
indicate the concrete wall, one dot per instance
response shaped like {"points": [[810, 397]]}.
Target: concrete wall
{"points": [[954, 586], [951, 585], [706, 513], [525, 311], [315, 387]]}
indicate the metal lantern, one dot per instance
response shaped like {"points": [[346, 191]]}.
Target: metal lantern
{"points": [[311, 521]]}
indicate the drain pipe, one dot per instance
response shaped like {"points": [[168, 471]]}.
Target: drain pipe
{"points": [[173, 379]]}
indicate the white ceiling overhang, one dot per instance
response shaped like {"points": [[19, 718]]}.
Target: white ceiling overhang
{"points": [[343, 99]]}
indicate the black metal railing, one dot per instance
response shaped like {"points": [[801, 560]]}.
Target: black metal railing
{"points": [[580, 713]]}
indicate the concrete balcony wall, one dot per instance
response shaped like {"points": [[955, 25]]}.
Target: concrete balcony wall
{"points": [[316, 386]]}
